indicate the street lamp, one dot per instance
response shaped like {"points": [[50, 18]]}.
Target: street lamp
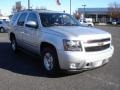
{"points": [[84, 10], [0, 11]]}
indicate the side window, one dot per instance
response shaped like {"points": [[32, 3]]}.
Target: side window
{"points": [[32, 17], [21, 20], [14, 18], [68, 20]]}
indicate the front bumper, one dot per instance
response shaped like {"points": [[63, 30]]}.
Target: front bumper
{"points": [[84, 60]]}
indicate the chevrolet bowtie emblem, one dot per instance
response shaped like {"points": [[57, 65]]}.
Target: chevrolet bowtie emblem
{"points": [[100, 44]]}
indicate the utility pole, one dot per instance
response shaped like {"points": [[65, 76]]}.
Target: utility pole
{"points": [[0, 13], [70, 6], [28, 4], [84, 10]]}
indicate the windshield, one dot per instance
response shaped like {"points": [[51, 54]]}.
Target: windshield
{"points": [[57, 19]]}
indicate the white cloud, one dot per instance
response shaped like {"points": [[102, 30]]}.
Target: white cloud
{"points": [[6, 12]]}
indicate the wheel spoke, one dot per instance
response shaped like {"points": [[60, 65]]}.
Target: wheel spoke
{"points": [[13, 44], [48, 61]]}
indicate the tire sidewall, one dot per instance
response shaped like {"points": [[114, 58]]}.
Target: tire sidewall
{"points": [[13, 41], [55, 68]]}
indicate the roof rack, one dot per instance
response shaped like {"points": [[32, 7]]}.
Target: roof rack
{"points": [[40, 10]]}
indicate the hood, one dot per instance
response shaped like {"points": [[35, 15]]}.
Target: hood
{"points": [[76, 30]]}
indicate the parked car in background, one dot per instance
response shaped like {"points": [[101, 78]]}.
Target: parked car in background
{"points": [[4, 26], [87, 22], [118, 22], [114, 22]]}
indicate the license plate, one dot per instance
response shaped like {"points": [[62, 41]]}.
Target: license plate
{"points": [[97, 64]]}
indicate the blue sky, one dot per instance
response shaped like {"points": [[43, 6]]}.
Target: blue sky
{"points": [[6, 5]]}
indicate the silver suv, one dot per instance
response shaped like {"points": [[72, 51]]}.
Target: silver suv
{"points": [[59, 40]]}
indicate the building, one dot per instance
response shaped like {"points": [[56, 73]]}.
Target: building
{"points": [[97, 14]]}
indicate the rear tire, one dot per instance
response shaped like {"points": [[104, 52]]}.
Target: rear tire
{"points": [[50, 61], [14, 45]]}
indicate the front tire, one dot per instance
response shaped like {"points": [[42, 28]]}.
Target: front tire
{"points": [[50, 61]]}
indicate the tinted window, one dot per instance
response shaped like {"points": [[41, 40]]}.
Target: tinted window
{"points": [[21, 20], [32, 17], [57, 19]]}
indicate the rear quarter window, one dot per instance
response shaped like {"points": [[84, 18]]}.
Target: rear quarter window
{"points": [[21, 19], [14, 18]]}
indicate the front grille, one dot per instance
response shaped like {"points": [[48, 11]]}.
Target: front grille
{"points": [[97, 48], [101, 40], [97, 45]]}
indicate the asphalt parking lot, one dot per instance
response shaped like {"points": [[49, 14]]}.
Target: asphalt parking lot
{"points": [[22, 72]]}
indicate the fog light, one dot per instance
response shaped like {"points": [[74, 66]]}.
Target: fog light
{"points": [[105, 61], [73, 66]]}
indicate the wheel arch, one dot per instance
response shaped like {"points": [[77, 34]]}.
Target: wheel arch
{"points": [[46, 44], [51, 46], [11, 35]]}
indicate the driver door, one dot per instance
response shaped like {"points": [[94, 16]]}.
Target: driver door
{"points": [[30, 36]]}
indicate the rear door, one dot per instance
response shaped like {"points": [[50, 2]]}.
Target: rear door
{"points": [[19, 28]]}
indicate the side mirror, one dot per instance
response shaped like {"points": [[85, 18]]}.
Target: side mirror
{"points": [[32, 24]]}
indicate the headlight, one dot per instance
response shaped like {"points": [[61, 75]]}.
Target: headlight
{"points": [[72, 45]]}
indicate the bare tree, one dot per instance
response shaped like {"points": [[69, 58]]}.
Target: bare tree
{"points": [[114, 10], [17, 7], [77, 15], [14, 9]]}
